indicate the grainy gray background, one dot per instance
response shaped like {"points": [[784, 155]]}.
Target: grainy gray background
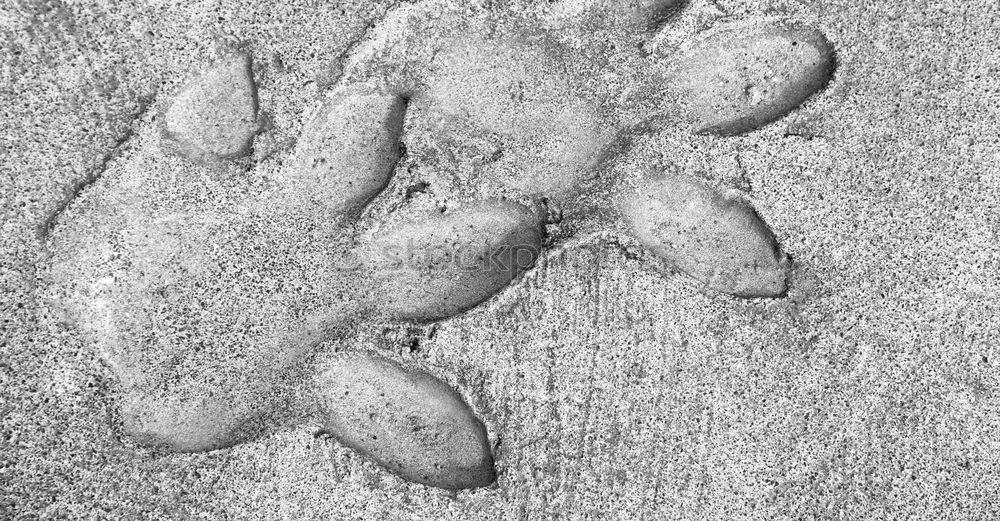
{"points": [[870, 392]]}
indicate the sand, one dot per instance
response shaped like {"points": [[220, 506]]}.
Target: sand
{"points": [[609, 388]]}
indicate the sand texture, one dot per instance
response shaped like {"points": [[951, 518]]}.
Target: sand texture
{"points": [[499, 259]]}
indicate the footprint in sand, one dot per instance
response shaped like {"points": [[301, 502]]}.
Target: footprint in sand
{"points": [[206, 278]]}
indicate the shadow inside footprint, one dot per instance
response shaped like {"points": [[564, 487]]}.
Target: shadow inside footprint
{"points": [[187, 424]]}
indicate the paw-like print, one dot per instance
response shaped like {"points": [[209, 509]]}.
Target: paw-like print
{"points": [[213, 278]]}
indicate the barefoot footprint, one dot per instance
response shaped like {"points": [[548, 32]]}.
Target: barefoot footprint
{"points": [[206, 280]]}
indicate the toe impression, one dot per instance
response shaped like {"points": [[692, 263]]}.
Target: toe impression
{"points": [[215, 116], [740, 77], [348, 152], [437, 268], [715, 238], [407, 420]]}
